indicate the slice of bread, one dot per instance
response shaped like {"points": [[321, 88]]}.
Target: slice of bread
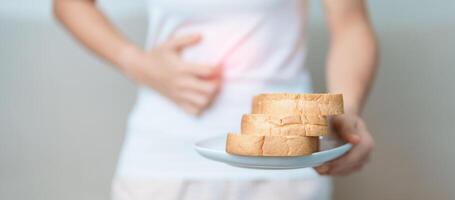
{"points": [[284, 104], [300, 125], [257, 145]]}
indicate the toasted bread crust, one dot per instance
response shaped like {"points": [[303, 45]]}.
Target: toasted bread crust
{"points": [[284, 124], [300, 125], [256, 145], [284, 104]]}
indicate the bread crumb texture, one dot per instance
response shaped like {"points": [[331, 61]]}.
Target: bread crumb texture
{"points": [[299, 125], [283, 124], [257, 145], [282, 104]]}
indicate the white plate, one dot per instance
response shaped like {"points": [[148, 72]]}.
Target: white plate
{"points": [[214, 149]]}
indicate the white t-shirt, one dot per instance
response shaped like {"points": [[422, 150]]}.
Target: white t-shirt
{"points": [[260, 44]]}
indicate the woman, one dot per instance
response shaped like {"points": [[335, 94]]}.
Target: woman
{"points": [[203, 62]]}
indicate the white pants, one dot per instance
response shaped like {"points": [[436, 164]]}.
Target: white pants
{"points": [[135, 189]]}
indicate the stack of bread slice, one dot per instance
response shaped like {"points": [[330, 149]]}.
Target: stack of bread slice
{"points": [[284, 124]]}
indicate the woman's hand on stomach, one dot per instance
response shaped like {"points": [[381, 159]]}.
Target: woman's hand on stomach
{"points": [[190, 86]]}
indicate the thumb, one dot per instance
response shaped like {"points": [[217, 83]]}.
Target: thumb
{"points": [[345, 131], [347, 134], [181, 42]]}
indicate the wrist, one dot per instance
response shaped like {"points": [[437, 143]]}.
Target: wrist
{"points": [[128, 60], [352, 111]]}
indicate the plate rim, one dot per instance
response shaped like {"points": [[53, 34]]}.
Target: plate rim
{"points": [[198, 147]]}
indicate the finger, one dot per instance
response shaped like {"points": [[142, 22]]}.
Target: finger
{"points": [[181, 42], [348, 134], [351, 138], [218, 71], [344, 163], [346, 128], [358, 167], [189, 108], [206, 87], [348, 161], [322, 169], [195, 99], [359, 154], [200, 70]]}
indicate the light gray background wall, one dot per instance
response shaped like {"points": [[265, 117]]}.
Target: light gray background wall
{"points": [[62, 111]]}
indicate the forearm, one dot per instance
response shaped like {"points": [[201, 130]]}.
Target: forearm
{"points": [[351, 65], [86, 22]]}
